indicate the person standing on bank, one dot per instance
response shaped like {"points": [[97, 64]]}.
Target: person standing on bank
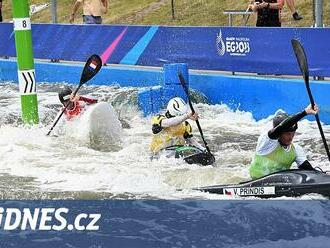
{"points": [[268, 12], [292, 6], [92, 10], [275, 149]]}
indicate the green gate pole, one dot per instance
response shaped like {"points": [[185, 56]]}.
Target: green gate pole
{"points": [[25, 64]]}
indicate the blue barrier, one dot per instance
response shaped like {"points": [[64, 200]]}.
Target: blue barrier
{"points": [[171, 79], [70, 73], [239, 49], [150, 100], [260, 96], [153, 99]]}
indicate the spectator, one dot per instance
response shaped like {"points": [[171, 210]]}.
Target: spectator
{"points": [[291, 5], [92, 10], [269, 12], [0, 11]]}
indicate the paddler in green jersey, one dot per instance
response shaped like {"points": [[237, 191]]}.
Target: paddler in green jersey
{"points": [[275, 150]]}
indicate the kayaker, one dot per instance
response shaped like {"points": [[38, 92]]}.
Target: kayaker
{"points": [[172, 128], [76, 104], [275, 150]]}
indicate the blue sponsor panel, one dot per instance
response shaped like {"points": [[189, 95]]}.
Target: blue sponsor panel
{"points": [[74, 42], [261, 50], [194, 46], [7, 43], [108, 223], [133, 55], [239, 49]]}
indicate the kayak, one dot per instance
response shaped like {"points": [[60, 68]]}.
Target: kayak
{"points": [[290, 183], [98, 125], [191, 154]]}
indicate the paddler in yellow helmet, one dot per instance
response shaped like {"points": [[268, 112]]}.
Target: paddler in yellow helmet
{"points": [[172, 128], [275, 149]]}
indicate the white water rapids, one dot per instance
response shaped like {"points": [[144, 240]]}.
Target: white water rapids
{"points": [[34, 166]]}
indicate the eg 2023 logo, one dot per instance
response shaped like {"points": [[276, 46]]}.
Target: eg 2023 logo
{"points": [[234, 46]]}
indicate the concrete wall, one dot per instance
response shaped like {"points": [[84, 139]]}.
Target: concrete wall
{"points": [[261, 96]]}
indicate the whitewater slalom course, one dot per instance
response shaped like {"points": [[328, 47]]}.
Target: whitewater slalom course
{"points": [[145, 90], [220, 48], [234, 110]]}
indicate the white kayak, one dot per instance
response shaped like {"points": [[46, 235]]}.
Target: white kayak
{"points": [[98, 126]]}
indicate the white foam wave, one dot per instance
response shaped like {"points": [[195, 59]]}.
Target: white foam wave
{"points": [[65, 164]]}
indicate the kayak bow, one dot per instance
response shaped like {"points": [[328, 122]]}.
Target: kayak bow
{"points": [[290, 183]]}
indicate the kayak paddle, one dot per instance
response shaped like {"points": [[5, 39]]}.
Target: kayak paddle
{"points": [[184, 86], [91, 68], [303, 65]]}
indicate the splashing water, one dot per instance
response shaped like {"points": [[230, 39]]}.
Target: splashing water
{"points": [[34, 166]]}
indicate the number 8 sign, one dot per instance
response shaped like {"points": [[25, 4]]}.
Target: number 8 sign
{"points": [[22, 24]]}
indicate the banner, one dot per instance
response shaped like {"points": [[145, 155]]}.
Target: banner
{"points": [[160, 223], [236, 49]]}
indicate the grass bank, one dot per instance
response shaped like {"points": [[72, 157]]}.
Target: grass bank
{"points": [[159, 12]]}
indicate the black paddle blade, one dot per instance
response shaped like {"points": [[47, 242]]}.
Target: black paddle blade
{"points": [[204, 159], [301, 59], [303, 65], [193, 155], [92, 67]]}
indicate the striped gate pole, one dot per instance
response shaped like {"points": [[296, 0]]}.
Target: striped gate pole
{"points": [[25, 63]]}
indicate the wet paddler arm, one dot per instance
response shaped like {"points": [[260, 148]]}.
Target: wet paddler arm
{"points": [[170, 122], [289, 122]]}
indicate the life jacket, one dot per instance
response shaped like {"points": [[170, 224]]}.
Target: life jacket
{"points": [[75, 111], [79, 107], [278, 160], [168, 136]]}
